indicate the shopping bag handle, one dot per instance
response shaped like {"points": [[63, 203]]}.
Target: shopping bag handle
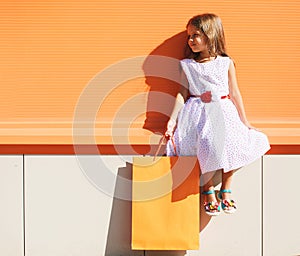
{"points": [[162, 139]]}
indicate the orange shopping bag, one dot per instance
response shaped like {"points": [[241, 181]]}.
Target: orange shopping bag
{"points": [[165, 203]]}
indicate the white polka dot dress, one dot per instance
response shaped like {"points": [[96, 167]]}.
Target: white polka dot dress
{"points": [[213, 131]]}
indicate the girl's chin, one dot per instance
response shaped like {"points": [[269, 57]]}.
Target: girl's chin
{"points": [[195, 50]]}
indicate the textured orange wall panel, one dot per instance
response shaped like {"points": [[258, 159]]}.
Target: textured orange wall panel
{"points": [[51, 50]]}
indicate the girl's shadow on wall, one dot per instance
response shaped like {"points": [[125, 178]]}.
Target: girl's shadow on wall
{"points": [[163, 78]]}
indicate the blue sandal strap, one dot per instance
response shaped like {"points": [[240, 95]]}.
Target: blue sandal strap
{"points": [[225, 191], [209, 192]]}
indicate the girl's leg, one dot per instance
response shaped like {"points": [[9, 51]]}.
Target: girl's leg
{"points": [[228, 205], [211, 205], [207, 187], [226, 183]]}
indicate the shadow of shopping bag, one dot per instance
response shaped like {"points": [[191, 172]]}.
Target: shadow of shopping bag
{"points": [[165, 203]]}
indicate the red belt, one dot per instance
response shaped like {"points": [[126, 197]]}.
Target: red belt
{"points": [[222, 97], [225, 97]]}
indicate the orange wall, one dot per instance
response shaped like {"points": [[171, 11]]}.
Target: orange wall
{"points": [[50, 51]]}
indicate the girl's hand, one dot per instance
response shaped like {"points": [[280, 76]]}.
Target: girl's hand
{"points": [[168, 134], [170, 128], [250, 126]]}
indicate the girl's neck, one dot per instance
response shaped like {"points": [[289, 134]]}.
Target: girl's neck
{"points": [[204, 58]]}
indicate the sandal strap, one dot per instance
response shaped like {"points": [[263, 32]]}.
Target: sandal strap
{"points": [[209, 192], [225, 191], [221, 192]]}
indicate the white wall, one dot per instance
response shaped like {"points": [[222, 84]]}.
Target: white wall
{"points": [[67, 214], [11, 205], [281, 197]]}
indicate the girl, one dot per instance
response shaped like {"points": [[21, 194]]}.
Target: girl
{"points": [[212, 123]]}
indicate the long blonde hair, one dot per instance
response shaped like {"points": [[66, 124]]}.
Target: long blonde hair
{"points": [[211, 26]]}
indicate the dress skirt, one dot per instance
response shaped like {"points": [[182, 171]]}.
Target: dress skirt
{"points": [[215, 134]]}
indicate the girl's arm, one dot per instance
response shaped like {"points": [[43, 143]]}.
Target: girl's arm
{"points": [[235, 95], [180, 99]]}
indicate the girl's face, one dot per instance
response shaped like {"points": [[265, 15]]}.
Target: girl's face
{"points": [[196, 39]]}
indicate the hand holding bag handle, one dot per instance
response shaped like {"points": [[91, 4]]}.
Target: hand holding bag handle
{"points": [[162, 139]]}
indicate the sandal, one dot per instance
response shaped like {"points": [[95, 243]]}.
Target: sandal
{"points": [[211, 208], [228, 205]]}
